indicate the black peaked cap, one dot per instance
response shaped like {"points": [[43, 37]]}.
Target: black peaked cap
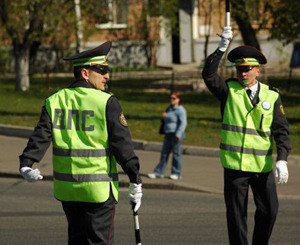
{"points": [[246, 52], [103, 49]]}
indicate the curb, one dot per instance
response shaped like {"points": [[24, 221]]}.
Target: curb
{"points": [[25, 132], [16, 131], [124, 184]]}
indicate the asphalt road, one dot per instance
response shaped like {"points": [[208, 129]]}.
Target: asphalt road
{"points": [[30, 215]]}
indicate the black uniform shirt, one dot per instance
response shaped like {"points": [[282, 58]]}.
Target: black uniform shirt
{"points": [[120, 142], [219, 88]]}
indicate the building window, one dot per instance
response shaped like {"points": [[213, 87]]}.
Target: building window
{"points": [[116, 15]]}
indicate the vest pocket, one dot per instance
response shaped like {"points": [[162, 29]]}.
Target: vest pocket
{"points": [[267, 122]]}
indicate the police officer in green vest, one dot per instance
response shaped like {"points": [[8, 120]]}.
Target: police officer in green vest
{"points": [[252, 116], [90, 135]]}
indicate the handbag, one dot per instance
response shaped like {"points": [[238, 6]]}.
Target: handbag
{"points": [[161, 128]]}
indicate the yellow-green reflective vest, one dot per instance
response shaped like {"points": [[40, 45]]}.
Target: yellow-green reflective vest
{"points": [[83, 167], [246, 141]]}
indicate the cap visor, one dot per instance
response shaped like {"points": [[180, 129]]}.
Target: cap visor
{"points": [[245, 68], [102, 68]]}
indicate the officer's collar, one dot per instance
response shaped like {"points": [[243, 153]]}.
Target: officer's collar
{"points": [[254, 87], [80, 83]]}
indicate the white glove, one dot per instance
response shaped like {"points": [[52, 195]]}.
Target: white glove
{"points": [[31, 175], [226, 36], [135, 195], [281, 172]]}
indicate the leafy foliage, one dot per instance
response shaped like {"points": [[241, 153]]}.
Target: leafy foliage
{"points": [[23, 20], [280, 18], [286, 21]]}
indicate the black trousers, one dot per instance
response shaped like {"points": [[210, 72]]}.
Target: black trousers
{"points": [[236, 188], [90, 223]]}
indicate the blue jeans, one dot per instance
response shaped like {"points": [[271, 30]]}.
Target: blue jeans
{"points": [[168, 145]]}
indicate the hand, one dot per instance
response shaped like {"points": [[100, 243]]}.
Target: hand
{"points": [[281, 172], [164, 114], [177, 139], [135, 195], [226, 36], [31, 175]]}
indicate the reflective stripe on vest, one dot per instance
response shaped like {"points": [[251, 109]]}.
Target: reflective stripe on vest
{"points": [[81, 152], [83, 167], [85, 177], [245, 130], [245, 150], [246, 142]]}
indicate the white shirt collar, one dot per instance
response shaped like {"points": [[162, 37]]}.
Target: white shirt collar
{"points": [[253, 89]]}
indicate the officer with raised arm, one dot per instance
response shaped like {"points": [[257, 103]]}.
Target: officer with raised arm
{"points": [[252, 114]]}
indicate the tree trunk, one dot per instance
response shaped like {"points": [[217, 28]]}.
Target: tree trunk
{"points": [[78, 27], [242, 18], [146, 31], [207, 12], [34, 47], [22, 68]]}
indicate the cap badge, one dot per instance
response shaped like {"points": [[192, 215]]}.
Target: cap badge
{"points": [[266, 105]]}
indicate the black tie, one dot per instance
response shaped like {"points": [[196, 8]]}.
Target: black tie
{"points": [[248, 91]]}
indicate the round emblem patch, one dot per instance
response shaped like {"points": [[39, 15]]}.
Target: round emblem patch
{"points": [[123, 120], [266, 105]]}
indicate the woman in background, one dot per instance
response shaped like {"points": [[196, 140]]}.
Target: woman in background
{"points": [[175, 121]]}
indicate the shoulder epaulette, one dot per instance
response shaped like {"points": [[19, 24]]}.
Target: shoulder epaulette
{"points": [[274, 89]]}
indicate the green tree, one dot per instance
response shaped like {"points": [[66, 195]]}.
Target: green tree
{"points": [[206, 8], [241, 13], [23, 21], [155, 15], [29, 24], [280, 18], [285, 20], [60, 29]]}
